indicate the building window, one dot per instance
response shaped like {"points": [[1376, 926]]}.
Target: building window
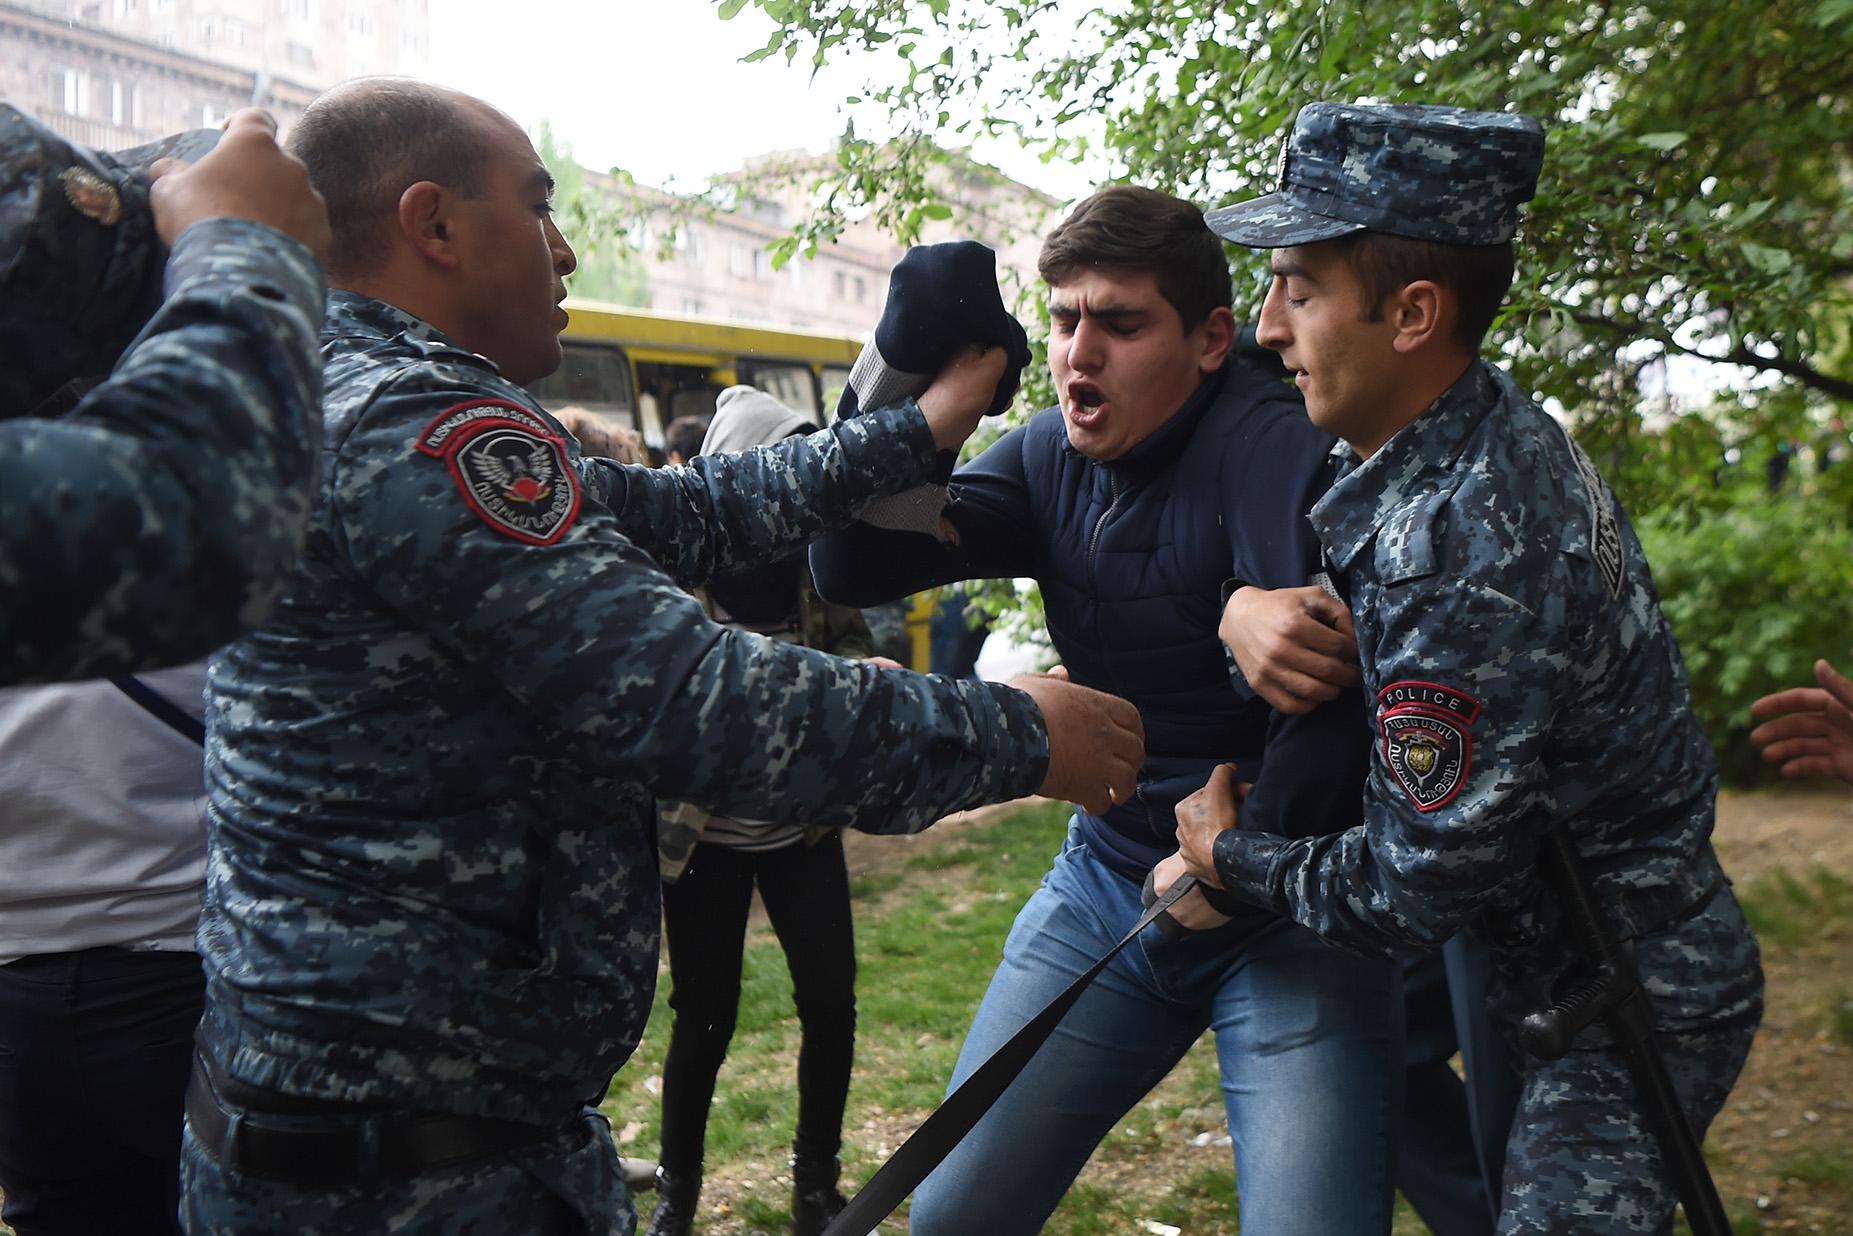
{"points": [[739, 261], [234, 33], [302, 53], [360, 23], [688, 243], [208, 32], [66, 90], [842, 285], [796, 267], [297, 10], [123, 8], [862, 290], [210, 117], [691, 305], [762, 265], [161, 6], [118, 102]]}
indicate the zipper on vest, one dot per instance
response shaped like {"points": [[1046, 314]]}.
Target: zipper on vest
{"points": [[1093, 546]]}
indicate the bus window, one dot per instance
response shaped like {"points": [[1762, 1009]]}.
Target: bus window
{"points": [[680, 390], [792, 385], [594, 376], [836, 381]]}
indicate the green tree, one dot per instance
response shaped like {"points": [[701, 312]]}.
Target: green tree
{"points": [[1693, 216], [610, 268], [1694, 201]]}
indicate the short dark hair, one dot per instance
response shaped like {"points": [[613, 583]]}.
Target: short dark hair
{"points": [[683, 436], [366, 142], [1128, 229], [1478, 275]]}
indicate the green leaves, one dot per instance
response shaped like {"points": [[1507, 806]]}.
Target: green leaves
{"points": [[1767, 258], [1693, 203]]}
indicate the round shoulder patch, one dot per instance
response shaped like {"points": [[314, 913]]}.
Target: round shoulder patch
{"points": [[509, 464], [1427, 745]]}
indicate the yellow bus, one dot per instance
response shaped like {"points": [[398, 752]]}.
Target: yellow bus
{"points": [[645, 369]]}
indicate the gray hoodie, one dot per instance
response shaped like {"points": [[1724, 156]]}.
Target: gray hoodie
{"points": [[745, 417]]}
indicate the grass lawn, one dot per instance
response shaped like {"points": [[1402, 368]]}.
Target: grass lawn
{"points": [[928, 936], [929, 932]]}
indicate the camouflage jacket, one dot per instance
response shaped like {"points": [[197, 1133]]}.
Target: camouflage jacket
{"points": [[816, 623], [1521, 677], [163, 515], [432, 880]]}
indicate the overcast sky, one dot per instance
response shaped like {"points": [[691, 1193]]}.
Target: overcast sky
{"points": [[656, 86]]}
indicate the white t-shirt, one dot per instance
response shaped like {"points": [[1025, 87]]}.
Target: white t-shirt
{"points": [[102, 825]]}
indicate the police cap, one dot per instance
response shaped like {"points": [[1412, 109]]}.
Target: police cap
{"points": [[1422, 170]]}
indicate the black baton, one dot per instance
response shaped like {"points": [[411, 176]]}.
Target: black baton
{"points": [[1614, 994]]}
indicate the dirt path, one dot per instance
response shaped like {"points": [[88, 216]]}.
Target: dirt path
{"points": [[1761, 830], [1783, 1146]]}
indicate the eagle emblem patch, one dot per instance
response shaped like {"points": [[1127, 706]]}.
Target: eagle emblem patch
{"points": [[510, 466], [1427, 745]]}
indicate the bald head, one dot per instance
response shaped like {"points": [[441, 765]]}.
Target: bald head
{"points": [[367, 140]]}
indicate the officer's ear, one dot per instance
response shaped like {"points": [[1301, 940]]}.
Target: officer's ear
{"points": [[424, 221], [1421, 313]]}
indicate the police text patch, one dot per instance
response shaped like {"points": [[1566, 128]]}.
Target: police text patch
{"points": [[1426, 741], [509, 465]]}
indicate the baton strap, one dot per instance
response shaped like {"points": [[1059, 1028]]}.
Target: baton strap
{"points": [[955, 1117], [163, 710]]}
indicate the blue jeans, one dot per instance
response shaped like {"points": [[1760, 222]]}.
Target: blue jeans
{"points": [[1309, 1040]]}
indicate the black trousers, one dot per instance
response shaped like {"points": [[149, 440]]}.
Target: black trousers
{"points": [[806, 893], [94, 1053]]}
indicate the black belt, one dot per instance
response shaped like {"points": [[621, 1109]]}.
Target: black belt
{"points": [[337, 1150]]}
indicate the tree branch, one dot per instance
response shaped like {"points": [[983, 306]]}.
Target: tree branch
{"points": [[1807, 375]]}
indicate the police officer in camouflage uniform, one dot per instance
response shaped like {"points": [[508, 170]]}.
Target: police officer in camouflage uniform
{"points": [[161, 517], [1522, 676], [432, 909]]}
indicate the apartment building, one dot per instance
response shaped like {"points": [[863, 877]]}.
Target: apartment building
{"points": [[116, 73]]}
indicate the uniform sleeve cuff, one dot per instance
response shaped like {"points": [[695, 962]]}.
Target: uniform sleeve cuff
{"points": [[1023, 760], [1244, 863], [1237, 679]]}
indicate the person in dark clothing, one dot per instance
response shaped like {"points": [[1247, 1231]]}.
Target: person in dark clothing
{"points": [[1175, 462], [957, 635], [712, 863]]}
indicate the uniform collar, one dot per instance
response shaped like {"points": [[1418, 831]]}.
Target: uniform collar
{"points": [[354, 314], [1417, 457]]}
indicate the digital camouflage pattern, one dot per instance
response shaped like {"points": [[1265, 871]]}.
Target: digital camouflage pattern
{"points": [[1409, 169], [432, 881], [1523, 678], [162, 516]]}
